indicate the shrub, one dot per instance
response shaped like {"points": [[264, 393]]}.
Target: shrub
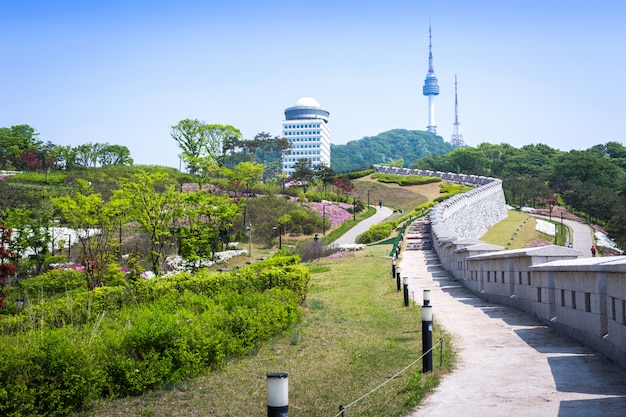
{"points": [[53, 374], [405, 179], [376, 232], [356, 174]]}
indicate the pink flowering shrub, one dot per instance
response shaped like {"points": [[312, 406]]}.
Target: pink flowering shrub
{"points": [[535, 243], [334, 213]]}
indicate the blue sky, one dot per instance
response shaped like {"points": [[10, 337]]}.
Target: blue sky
{"points": [[123, 71]]}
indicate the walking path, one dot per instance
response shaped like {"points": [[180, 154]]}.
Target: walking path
{"points": [[509, 364], [350, 236]]}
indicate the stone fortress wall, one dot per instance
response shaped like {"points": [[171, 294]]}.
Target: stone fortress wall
{"points": [[583, 298]]}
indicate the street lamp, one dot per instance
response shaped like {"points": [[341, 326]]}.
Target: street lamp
{"points": [[280, 236], [69, 247], [324, 219], [250, 239], [354, 208]]}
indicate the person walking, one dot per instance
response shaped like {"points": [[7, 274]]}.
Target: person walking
{"points": [[593, 251]]}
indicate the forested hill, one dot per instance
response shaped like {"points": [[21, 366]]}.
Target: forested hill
{"points": [[409, 145]]}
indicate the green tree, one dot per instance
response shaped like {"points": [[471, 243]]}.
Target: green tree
{"points": [[94, 221], [303, 173], [191, 138], [151, 201], [114, 155], [202, 217], [219, 139], [245, 175], [32, 238]]}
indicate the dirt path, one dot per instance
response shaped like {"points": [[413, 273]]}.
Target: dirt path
{"points": [[509, 364]]}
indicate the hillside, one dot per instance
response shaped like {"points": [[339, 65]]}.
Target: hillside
{"points": [[410, 145]]}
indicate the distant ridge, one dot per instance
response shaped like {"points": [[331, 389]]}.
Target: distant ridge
{"points": [[410, 145]]}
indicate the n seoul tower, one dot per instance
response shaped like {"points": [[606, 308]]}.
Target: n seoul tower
{"points": [[431, 88]]}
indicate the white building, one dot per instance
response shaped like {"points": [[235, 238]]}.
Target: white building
{"points": [[306, 128]]}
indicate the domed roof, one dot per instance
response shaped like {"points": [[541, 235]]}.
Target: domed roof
{"points": [[307, 102]]}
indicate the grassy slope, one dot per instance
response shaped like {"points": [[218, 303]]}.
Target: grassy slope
{"points": [[355, 334]]}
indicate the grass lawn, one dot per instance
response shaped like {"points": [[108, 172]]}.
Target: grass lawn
{"points": [[355, 334]]}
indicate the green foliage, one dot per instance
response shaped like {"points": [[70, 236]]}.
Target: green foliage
{"points": [[72, 347], [404, 179], [356, 174], [386, 147], [56, 177], [377, 232], [48, 373]]}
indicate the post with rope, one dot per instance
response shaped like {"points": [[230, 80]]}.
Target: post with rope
{"points": [[427, 338], [398, 278], [393, 267], [405, 285], [277, 395]]}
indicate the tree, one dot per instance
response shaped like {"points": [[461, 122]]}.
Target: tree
{"points": [[303, 173], [153, 203], [114, 155], [202, 217], [31, 238], [244, 175], [219, 139], [93, 220], [325, 174], [191, 138]]}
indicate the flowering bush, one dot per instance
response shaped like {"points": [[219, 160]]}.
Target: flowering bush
{"points": [[535, 243], [178, 264], [604, 241], [545, 227], [334, 212]]}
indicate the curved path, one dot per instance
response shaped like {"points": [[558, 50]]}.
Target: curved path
{"points": [[350, 236], [509, 364]]}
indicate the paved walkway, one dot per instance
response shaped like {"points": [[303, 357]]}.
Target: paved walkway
{"points": [[509, 364], [350, 236]]}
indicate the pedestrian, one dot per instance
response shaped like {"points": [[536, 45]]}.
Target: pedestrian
{"points": [[593, 251], [316, 238], [380, 203]]}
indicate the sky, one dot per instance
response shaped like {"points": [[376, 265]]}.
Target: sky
{"points": [[123, 72]]}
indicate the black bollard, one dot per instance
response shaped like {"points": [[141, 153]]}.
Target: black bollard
{"points": [[427, 338], [398, 277], [405, 284], [393, 267], [277, 395]]}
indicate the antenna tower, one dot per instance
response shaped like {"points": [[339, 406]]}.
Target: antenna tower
{"points": [[457, 138]]}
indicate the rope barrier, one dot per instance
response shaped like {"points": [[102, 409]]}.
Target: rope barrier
{"points": [[343, 408]]}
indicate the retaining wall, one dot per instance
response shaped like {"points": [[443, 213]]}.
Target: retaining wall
{"points": [[584, 298]]}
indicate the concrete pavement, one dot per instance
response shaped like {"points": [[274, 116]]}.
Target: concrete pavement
{"points": [[509, 364], [350, 236]]}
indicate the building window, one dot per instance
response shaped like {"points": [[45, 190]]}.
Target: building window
{"points": [[539, 294], [587, 302], [520, 278], [574, 300], [562, 298], [528, 277]]}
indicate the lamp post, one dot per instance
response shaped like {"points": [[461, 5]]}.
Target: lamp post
{"points": [[405, 286], [427, 338], [426, 297], [324, 219], [69, 247], [368, 198], [280, 236], [354, 208], [277, 394], [398, 277], [250, 239], [393, 267]]}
